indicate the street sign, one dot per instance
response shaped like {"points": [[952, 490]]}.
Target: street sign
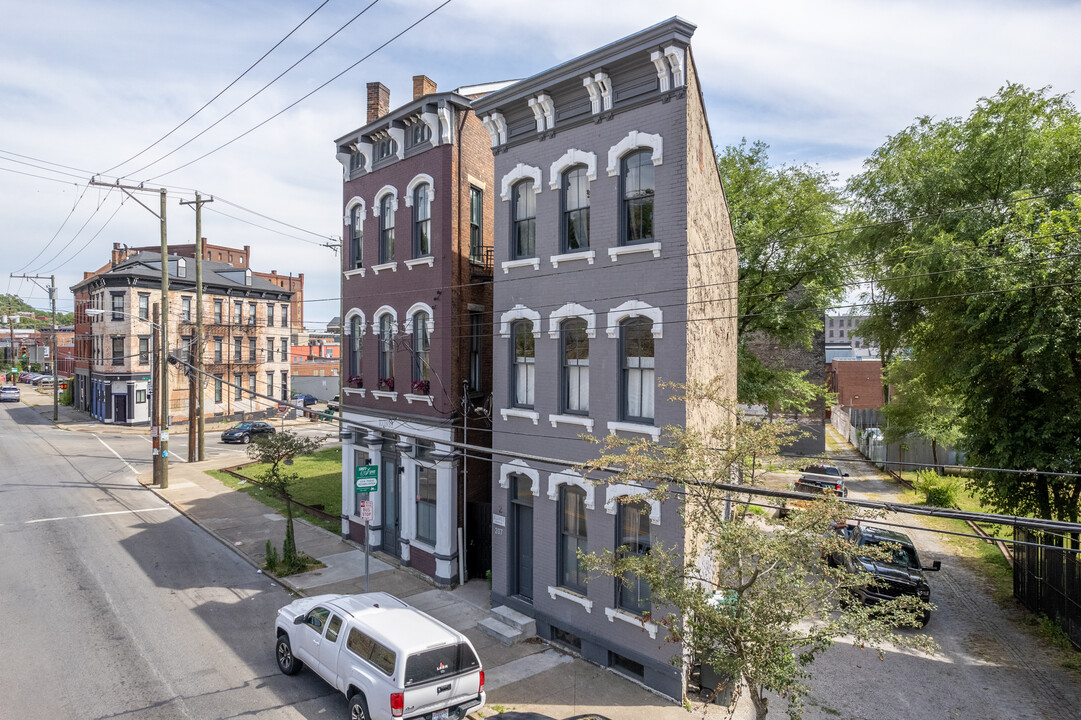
{"points": [[367, 478], [366, 510]]}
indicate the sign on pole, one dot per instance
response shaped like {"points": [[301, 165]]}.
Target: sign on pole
{"points": [[366, 510], [366, 478]]}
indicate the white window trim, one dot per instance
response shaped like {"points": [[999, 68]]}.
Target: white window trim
{"points": [[525, 262], [613, 492], [572, 310], [569, 159], [355, 201], [636, 620], [428, 260], [588, 255], [521, 413], [633, 309], [410, 397], [640, 428], [634, 140], [346, 324], [354, 391], [420, 178], [520, 172], [392, 266], [615, 252], [354, 272], [388, 394], [519, 467], [519, 312], [378, 315], [574, 597], [413, 310], [569, 477], [378, 201], [580, 420]]}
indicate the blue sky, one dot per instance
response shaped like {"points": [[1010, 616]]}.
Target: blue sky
{"points": [[86, 85]]}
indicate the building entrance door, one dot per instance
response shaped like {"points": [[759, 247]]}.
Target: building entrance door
{"points": [[390, 485], [522, 538], [120, 408]]}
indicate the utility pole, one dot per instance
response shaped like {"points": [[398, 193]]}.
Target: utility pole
{"points": [[163, 329], [196, 426], [53, 367], [155, 407]]}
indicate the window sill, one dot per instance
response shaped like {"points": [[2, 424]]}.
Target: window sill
{"points": [[639, 428], [518, 412], [355, 271], [588, 255], [388, 394], [574, 597], [354, 391], [586, 422], [526, 262], [391, 266], [428, 260], [653, 247], [410, 397], [636, 620]]}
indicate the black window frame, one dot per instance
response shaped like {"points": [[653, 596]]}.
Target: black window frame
{"points": [[238, 312], [218, 388], [238, 386], [144, 306], [643, 158], [386, 347], [422, 226], [252, 352], [625, 370], [422, 348], [476, 224], [219, 347], [144, 350], [386, 229], [270, 314], [577, 325], [238, 349], [185, 308], [356, 238], [568, 214], [419, 133], [117, 307], [523, 326], [476, 347], [629, 587], [523, 224], [356, 346], [219, 312], [117, 347], [576, 580]]}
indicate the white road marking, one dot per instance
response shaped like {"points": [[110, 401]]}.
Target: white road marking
{"points": [[100, 514], [114, 452]]}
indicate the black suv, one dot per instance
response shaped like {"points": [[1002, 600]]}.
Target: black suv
{"points": [[901, 574], [822, 479]]}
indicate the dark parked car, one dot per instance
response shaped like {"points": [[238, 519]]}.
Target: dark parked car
{"points": [[304, 399], [245, 431], [901, 573], [334, 405], [821, 479]]}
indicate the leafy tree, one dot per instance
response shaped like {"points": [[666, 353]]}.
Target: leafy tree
{"points": [[915, 408], [752, 596], [975, 239], [790, 266], [278, 450]]}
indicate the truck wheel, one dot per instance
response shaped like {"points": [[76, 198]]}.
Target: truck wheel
{"points": [[287, 662], [358, 709]]}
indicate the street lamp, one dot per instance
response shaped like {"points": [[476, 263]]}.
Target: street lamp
{"points": [[160, 422]]}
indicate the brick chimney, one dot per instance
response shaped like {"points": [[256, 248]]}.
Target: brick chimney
{"points": [[378, 101], [422, 85]]}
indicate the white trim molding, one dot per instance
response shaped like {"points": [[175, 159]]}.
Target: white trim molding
{"points": [[354, 391], [588, 255], [410, 397], [352, 313], [614, 253], [569, 477], [354, 272], [446, 120], [496, 126], [635, 139], [432, 121], [519, 312], [544, 112], [569, 159], [613, 492], [571, 310], [520, 413], [392, 266], [377, 202], [616, 613], [521, 171], [388, 394], [599, 87], [579, 420], [355, 201], [519, 467], [507, 265], [420, 178], [378, 315], [416, 308], [632, 309], [574, 597], [640, 428], [428, 260], [675, 57]]}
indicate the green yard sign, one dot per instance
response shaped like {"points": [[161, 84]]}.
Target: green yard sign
{"points": [[367, 478]]}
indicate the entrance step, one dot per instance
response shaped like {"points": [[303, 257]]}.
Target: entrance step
{"points": [[507, 616], [508, 626]]}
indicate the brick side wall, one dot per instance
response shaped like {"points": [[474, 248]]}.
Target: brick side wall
{"points": [[858, 383]]}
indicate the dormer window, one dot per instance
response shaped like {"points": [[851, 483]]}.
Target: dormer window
{"points": [[181, 267], [385, 149], [420, 133], [247, 277], [356, 161]]}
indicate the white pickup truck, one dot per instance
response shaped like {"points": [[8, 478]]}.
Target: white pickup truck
{"points": [[389, 659]]}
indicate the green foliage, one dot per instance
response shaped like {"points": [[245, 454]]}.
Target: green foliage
{"points": [[917, 407], [980, 285], [66, 395], [937, 490], [752, 596], [790, 265], [272, 559]]}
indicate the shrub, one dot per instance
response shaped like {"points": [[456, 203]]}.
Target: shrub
{"points": [[937, 490], [271, 558]]}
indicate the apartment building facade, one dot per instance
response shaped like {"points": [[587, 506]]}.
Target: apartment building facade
{"points": [[246, 332], [416, 300], [614, 272]]}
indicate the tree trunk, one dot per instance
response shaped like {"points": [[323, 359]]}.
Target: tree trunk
{"points": [[934, 456], [289, 549], [759, 700]]}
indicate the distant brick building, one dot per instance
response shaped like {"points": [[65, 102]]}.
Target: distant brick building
{"points": [[857, 382]]}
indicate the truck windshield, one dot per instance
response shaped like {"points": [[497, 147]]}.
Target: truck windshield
{"points": [[901, 556], [439, 662]]}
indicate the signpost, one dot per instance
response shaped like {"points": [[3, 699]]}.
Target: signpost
{"points": [[366, 478]]}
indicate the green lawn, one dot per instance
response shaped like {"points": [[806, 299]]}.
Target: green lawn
{"points": [[320, 483]]}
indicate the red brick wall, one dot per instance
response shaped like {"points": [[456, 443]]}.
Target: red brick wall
{"points": [[858, 383]]}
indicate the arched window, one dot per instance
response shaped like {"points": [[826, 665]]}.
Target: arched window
{"points": [[524, 363], [636, 374], [572, 537], [638, 194], [632, 524], [421, 353], [356, 236], [356, 330], [575, 374], [386, 229], [422, 221], [419, 133], [575, 199], [386, 351], [524, 232]]}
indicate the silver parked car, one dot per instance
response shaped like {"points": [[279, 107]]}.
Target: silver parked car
{"points": [[9, 393]]}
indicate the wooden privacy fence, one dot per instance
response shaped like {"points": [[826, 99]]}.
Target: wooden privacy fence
{"points": [[1047, 576]]}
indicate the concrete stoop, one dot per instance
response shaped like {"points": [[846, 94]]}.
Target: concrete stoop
{"points": [[508, 626]]}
